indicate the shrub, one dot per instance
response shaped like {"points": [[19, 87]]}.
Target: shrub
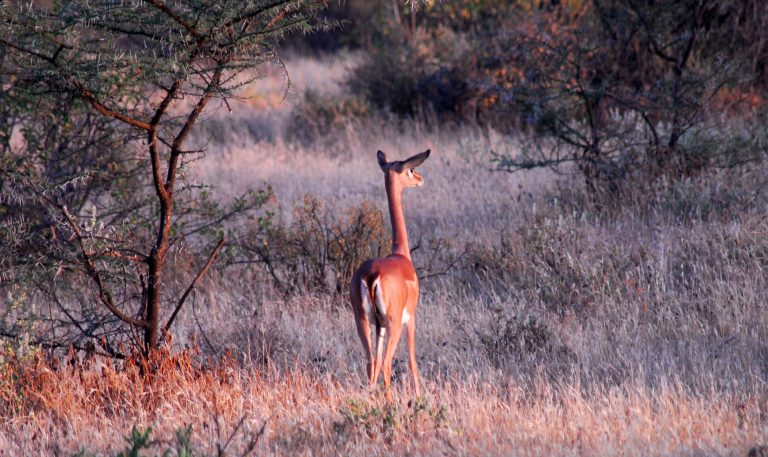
{"points": [[317, 116], [320, 250], [513, 338], [424, 74]]}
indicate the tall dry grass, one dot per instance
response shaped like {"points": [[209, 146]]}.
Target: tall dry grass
{"points": [[290, 411], [563, 326]]}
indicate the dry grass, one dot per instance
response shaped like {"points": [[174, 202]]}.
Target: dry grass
{"points": [[295, 412], [565, 329]]}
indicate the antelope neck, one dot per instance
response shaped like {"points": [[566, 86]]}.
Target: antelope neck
{"points": [[399, 235]]}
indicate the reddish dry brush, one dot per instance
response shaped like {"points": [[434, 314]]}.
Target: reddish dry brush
{"points": [[52, 404], [40, 382], [79, 402]]}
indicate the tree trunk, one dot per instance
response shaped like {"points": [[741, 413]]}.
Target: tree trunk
{"points": [[153, 304], [156, 263]]}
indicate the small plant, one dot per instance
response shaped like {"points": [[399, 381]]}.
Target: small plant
{"points": [[183, 444], [140, 440], [373, 420], [424, 415], [389, 421]]}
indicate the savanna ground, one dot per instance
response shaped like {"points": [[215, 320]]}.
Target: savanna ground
{"points": [[547, 325]]}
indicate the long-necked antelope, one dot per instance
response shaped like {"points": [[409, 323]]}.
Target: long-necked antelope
{"points": [[385, 291]]}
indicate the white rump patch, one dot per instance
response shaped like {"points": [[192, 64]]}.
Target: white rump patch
{"points": [[366, 300], [381, 305], [406, 316]]}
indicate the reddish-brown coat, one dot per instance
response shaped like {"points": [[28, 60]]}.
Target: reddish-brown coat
{"points": [[392, 279], [398, 281]]}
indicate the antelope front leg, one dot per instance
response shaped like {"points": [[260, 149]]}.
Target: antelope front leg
{"points": [[394, 336]]}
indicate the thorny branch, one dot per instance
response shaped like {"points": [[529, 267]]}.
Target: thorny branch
{"points": [[104, 294]]}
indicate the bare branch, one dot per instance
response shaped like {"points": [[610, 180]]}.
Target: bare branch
{"points": [[101, 108], [65, 345], [198, 109], [190, 122], [49, 59], [170, 13], [194, 284], [104, 294], [169, 96], [254, 13], [120, 255]]}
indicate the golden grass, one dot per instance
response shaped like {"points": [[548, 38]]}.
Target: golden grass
{"points": [[297, 412]]}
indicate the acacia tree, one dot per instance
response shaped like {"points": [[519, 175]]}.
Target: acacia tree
{"points": [[617, 86], [137, 76]]}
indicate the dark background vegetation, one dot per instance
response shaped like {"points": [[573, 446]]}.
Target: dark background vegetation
{"points": [[617, 87]]}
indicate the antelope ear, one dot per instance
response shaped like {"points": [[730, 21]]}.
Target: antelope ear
{"points": [[415, 161], [382, 158]]}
